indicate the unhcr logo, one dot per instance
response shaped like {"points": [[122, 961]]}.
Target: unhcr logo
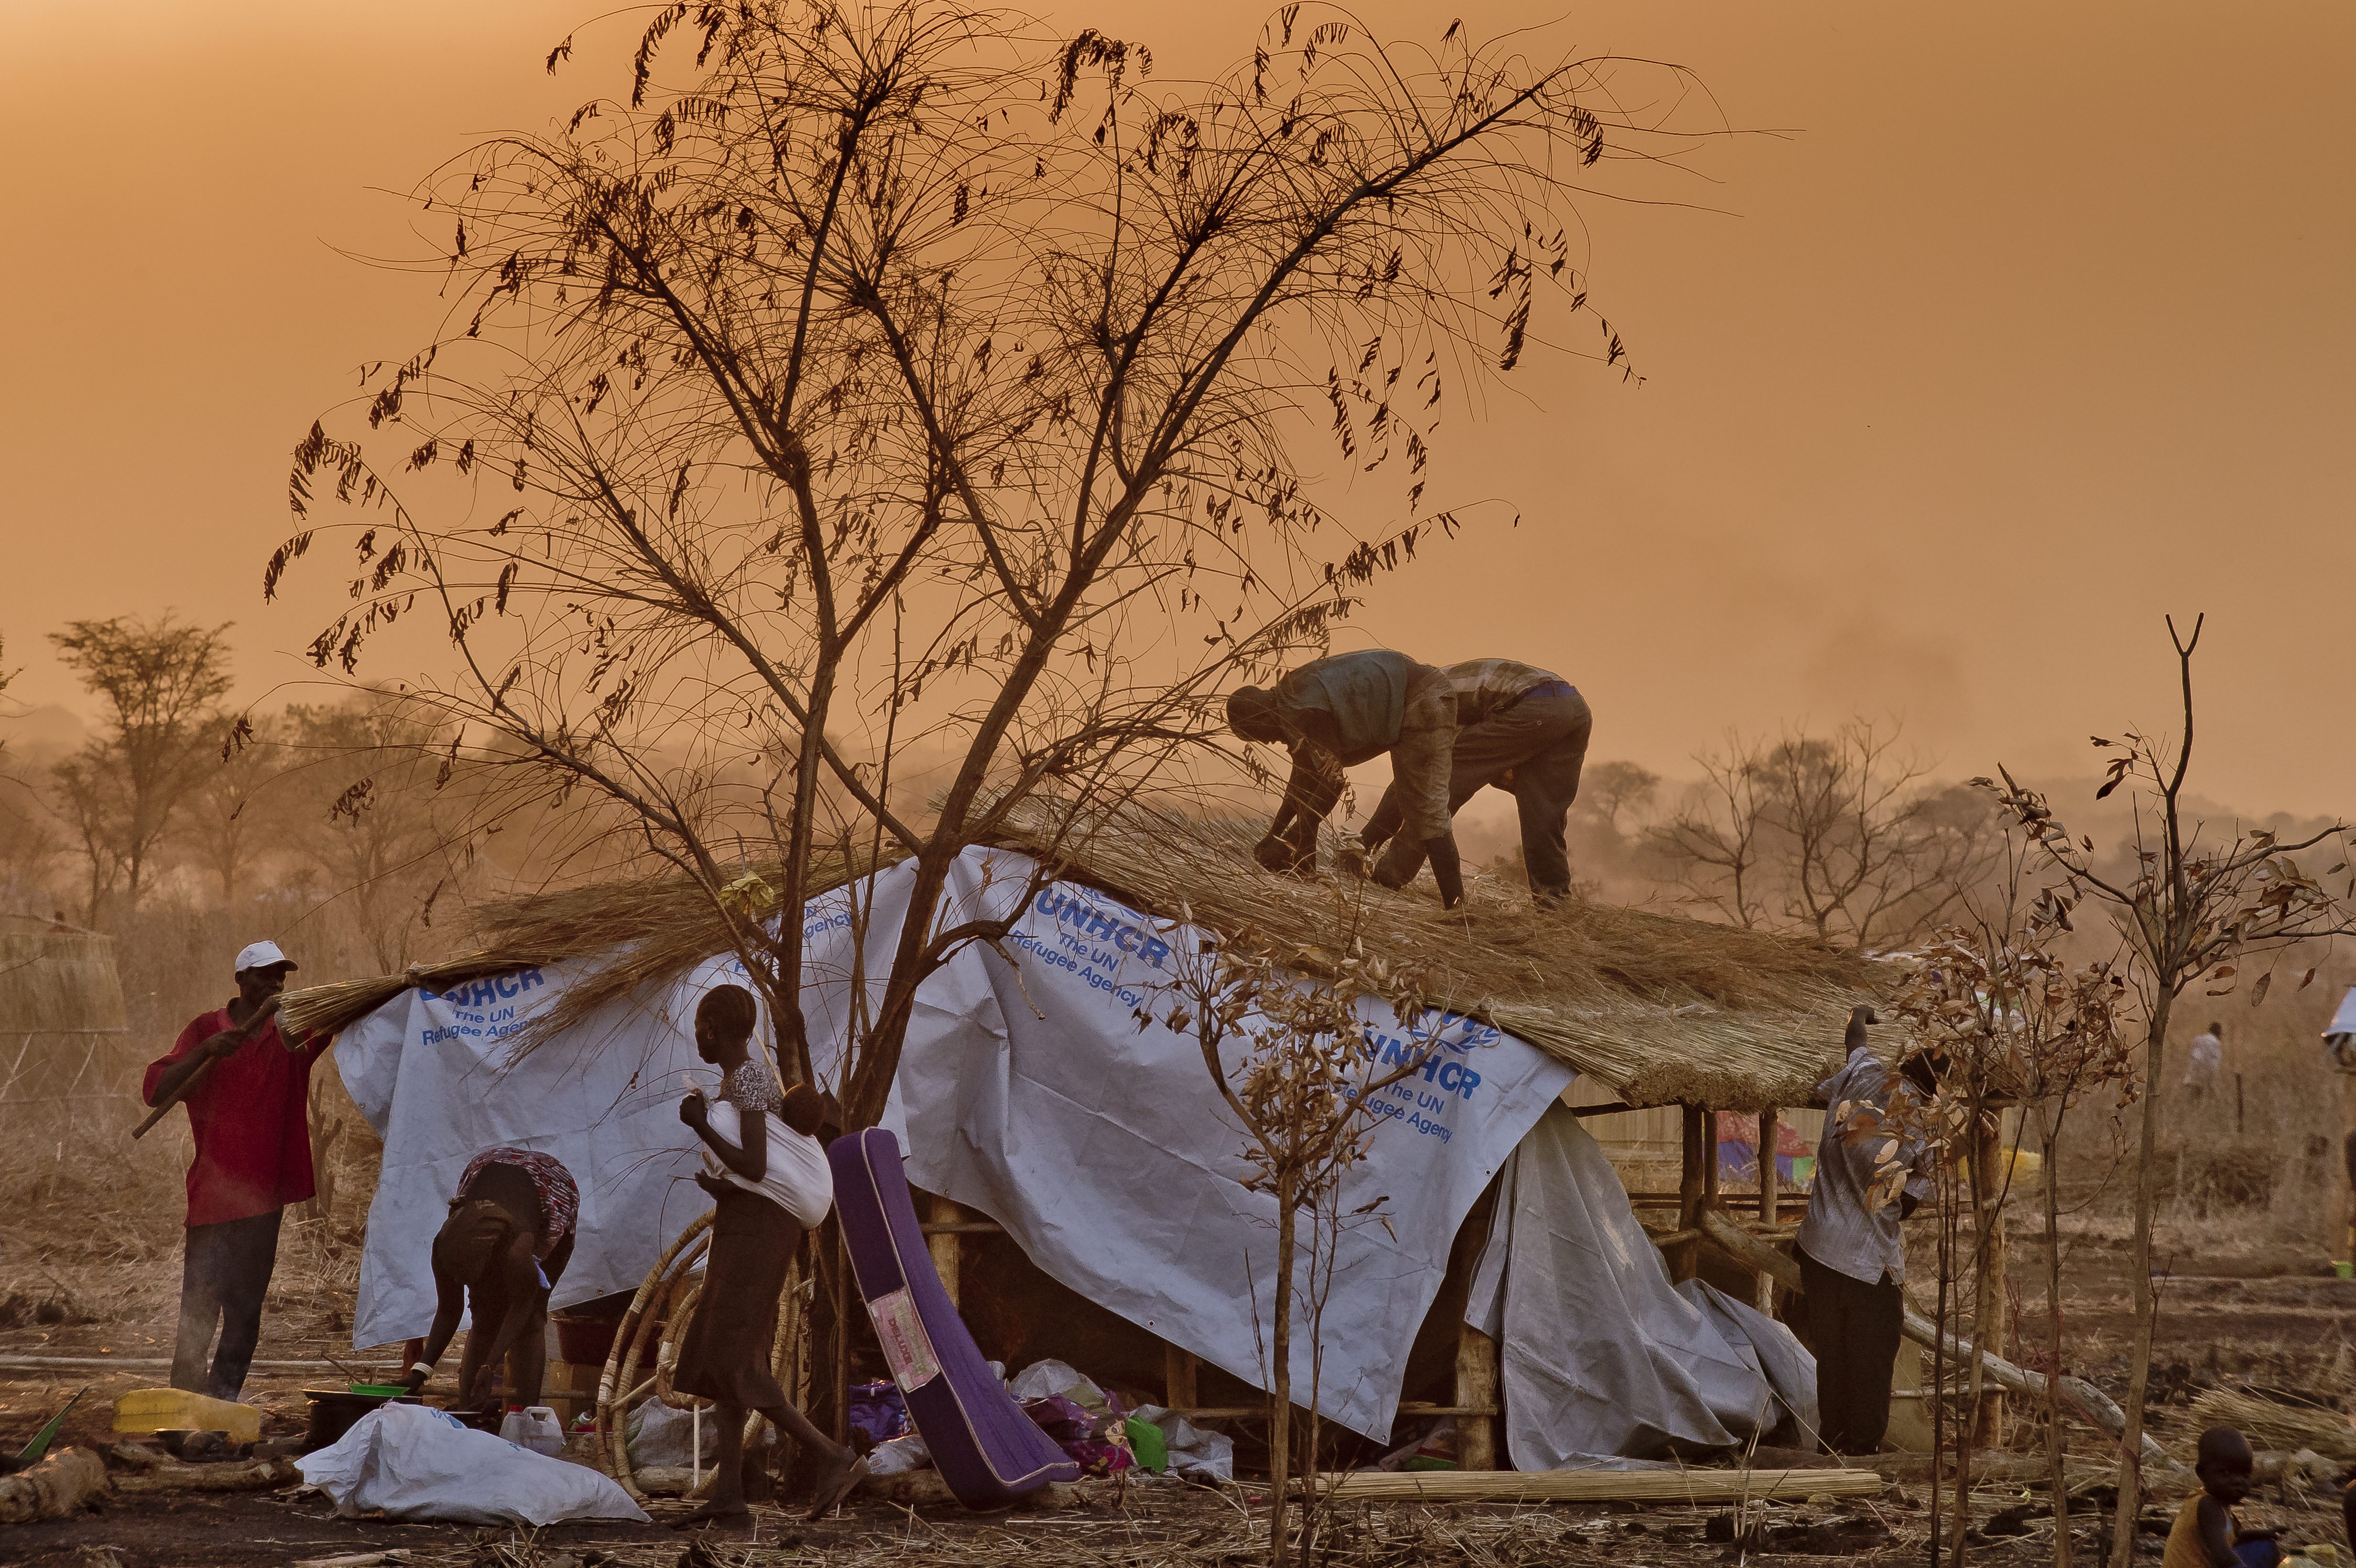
{"points": [[1111, 924], [483, 993]]}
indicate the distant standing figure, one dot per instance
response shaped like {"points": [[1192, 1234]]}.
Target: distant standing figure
{"points": [[2204, 1064], [1852, 1253], [504, 1245], [249, 1117], [1524, 731]]}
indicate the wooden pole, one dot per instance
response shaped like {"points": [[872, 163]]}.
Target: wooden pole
{"points": [[1689, 1192], [1769, 1133], [944, 1245], [1989, 1311], [1179, 1380], [1477, 1388]]}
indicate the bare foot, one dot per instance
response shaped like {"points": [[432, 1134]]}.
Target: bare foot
{"points": [[837, 1484], [715, 1513]]}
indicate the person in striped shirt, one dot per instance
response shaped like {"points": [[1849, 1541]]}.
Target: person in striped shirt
{"points": [[1522, 730]]}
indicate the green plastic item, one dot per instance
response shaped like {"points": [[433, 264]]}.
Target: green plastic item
{"points": [[1422, 1462], [1145, 1441], [380, 1390], [40, 1444]]}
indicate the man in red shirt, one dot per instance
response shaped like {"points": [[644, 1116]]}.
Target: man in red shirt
{"points": [[250, 1116]]}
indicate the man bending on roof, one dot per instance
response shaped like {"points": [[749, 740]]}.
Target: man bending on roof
{"points": [[1852, 1254], [1522, 730], [1337, 712], [248, 1095], [504, 1245]]}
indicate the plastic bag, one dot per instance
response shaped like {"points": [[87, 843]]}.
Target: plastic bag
{"points": [[534, 1427], [899, 1456], [1044, 1380], [1197, 1454], [410, 1463]]}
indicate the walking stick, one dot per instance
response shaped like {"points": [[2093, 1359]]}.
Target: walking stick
{"points": [[244, 1032]]}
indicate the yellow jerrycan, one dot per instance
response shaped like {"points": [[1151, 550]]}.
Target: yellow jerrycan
{"points": [[176, 1409]]}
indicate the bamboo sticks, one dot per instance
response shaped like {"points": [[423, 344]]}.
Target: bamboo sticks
{"points": [[1605, 1485]]}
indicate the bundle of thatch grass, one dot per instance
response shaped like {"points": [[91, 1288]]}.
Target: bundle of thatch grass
{"points": [[2269, 1423], [1660, 1008]]}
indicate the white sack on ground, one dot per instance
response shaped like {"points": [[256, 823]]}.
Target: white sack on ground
{"points": [[410, 1463], [1104, 1150], [1600, 1354]]}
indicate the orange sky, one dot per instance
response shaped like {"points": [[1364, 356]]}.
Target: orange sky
{"points": [[2039, 325]]}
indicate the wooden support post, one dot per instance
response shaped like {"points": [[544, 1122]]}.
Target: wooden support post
{"points": [[944, 1247], [1477, 1388], [1989, 1233], [1770, 1134], [1684, 1266], [1178, 1378]]}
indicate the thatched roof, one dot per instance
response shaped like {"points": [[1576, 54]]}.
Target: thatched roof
{"points": [[1660, 1008], [58, 982]]}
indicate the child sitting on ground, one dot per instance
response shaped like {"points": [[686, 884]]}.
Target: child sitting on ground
{"points": [[2205, 1534]]}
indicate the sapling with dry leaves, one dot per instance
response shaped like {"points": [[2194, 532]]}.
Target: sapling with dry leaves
{"points": [[2011, 1017], [2201, 904], [1294, 1058]]}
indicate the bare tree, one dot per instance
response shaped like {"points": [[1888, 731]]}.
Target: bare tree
{"points": [[228, 822], [2194, 911], [1839, 836], [1868, 851], [886, 389], [365, 789], [160, 681], [1716, 840]]}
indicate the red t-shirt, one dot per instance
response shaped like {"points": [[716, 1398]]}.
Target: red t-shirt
{"points": [[249, 1115]]}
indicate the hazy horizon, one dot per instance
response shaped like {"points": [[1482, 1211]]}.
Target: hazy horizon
{"points": [[2024, 329]]}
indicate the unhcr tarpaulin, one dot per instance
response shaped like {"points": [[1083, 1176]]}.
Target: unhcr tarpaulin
{"points": [[1028, 1091], [1599, 1352]]}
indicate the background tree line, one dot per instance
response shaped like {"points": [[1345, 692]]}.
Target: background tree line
{"points": [[176, 806]]}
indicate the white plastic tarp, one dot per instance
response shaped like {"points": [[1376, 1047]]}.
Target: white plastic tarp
{"points": [[1031, 1094], [1599, 1352], [431, 1073]]}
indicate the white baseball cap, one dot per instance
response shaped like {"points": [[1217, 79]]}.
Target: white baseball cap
{"points": [[262, 955]]}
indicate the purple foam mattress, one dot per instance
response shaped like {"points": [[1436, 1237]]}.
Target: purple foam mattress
{"points": [[988, 1450]]}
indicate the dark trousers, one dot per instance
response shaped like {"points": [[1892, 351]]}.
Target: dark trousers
{"points": [[1543, 741], [223, 1278], [1853, 1328]]}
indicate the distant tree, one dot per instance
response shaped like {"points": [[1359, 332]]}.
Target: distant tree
{"points": [[1838, 836], [1607, 789], [1715, 840], [160, 681], [228, 822], [362, 788]]}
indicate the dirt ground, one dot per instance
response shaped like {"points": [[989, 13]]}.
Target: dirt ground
{"points": [[91, 1270]]}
